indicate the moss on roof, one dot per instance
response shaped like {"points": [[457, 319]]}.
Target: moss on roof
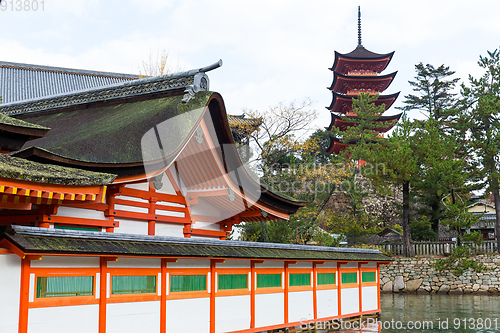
{"points": [[6, 120], [21, 169], [39, 243], [113, 134]]}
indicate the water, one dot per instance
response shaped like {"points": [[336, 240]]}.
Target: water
{"points": [[434, 313]]}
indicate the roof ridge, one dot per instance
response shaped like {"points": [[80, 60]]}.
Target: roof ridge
{"points": [[64, 70], [179, 240], [193, 80]]}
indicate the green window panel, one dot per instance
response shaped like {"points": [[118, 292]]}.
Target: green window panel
{"points": [[133, 284], [368, 276], [268, 280], [326, 278], [68, 227], [302, 279], [232, 281], [188, 283], [349, 278], [61, 286]]}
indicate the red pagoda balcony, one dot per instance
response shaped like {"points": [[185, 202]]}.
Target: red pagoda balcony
{"points": [[356, 84], [343, 103]]}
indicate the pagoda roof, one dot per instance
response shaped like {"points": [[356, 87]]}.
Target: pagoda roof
{"points": [[343, 103], [360, 58], [382, 123], [337, 146], [39, 241], [343, 83]]}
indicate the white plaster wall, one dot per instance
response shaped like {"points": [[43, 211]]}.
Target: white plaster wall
{"points": [[188, 315], [124, 197], [169, 229], [300, 306], [350, 265], [172, 204], [328, 264], [135, 263], [350, 301], [269, 309], [189, 263], [369, 298], [66, 262], [301, 264], [139, 186], [327, 303], [167, 187], [203, 208], [133, 317], [370, 265], [206, 225], [128, 226], [134, 209], [10, 291], [233, 264], [170, 213], [80, 212], [271, 264], [232, 313], [64, 319]]}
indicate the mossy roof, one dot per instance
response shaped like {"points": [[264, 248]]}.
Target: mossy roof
{"points": [[6, 120], [51, 241], [21, 169], [113, 134]]}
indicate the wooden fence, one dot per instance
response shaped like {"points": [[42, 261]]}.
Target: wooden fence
{"points": [[436, 248]]}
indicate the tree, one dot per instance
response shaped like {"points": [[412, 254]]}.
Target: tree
{"points": [[438, 136], [481, 102], [157, 64]]}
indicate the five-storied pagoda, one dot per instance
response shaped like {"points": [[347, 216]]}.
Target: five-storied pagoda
{"points": [[354, 73]]}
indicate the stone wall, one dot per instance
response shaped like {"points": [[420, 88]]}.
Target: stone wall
{"points": [[416, 275]]}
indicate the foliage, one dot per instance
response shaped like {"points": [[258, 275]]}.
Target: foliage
{"points": [[156, 65], [421, 230], [481, 105], [475, 237], [459, 261]]}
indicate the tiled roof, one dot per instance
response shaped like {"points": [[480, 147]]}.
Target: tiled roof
{"points": [[115, 91], [43, 240], [20, 82]]}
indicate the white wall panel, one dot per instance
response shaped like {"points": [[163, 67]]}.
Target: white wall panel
{"points": [[139, 186], [127, 208], [206, 225], [350, 301], [328, 264], [188, 316], [133, 317], [64, 319], [170, 213], [124, 197], [232, 313], [169, 229], [300, 306], [350, 265], [301, 264], [135, 263], [10, 291], [132, 227], [369, 298], [327, 303], [66, 262], [189, 263], [167, 187], [80, 212], [203, 208], [233, 264], [269, 309], [370, 265], [271, 264]]}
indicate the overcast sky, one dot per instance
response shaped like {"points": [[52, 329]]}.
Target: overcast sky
{"points": [[272, 50]]}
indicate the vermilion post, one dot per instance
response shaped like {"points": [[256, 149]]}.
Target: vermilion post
{"points": [[24, 299], [103, 294], [163, 304]]}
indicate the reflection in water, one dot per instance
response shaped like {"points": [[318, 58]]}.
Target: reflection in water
{"points": [[435, 313]]}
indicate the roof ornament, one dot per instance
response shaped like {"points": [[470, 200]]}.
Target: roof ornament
{"points": [[198, 136], [201, 81], [359, 27], [230, 194]]}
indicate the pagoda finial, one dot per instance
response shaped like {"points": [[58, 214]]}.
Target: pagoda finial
{"points": [[359, 26]]}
